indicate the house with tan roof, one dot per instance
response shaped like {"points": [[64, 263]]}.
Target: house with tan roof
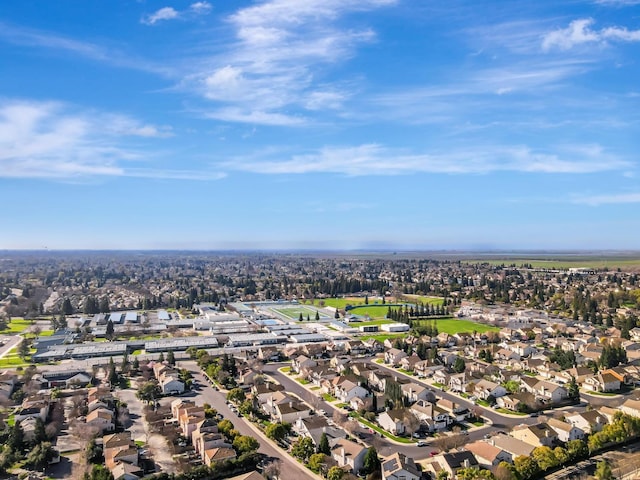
{"points": [[348, 454], [126, 471], [565, 431], [590, 421], [214, 455], [631, 407], [538, 435], [601, 382], [513, 446], [488, 455], [101, 418]]}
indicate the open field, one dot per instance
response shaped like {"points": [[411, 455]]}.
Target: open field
{"points": [[340, 303], [17, 325], [422, 299], [381, 337], [564, 263], [373, 311], [293, 313], [455, 325]]}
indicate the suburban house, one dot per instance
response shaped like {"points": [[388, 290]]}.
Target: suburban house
{"points": [[302, 361], [601, 382], [543, 390], [400, 467], [512, 446], [631, 407], [219, 454], [538, 435], [488, 456], [348, 454], [458, 382], [485, 389], [290, 411], [102, 419], [459, 413], [565, 431], [434, 417], [590, 421], [450, 463], [393, 356], [414, 392], [392, 421], [346, 390]]}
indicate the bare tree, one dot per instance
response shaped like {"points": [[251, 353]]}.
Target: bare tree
{"points": [[339, 418], [411, 422], [351, 426], [272, 469]]}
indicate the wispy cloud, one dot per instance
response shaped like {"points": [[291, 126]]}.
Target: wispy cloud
{"points": [[30, 37], [372, 159], [611, 199], [579, 32], [52, 140], [170, 13], [275, 62], [618, 3]]}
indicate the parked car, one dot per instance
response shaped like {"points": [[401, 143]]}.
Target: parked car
{"points": [[421, 443]]}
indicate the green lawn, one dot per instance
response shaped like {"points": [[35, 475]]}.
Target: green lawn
{"points": [[340, 303], [373, 311], [17, 325], [382, 337], [455, 325]]}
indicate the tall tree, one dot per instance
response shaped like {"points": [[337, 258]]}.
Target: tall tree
{"points": [[323, 444], [371, 461]]}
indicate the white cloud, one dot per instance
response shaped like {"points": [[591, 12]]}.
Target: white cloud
{"points": [[165, 13], [277, 59], [51, 140], [200, 8], [618, 3], [170, 13], [613, 199], [373, 159], [580, 32], [47, 40]]}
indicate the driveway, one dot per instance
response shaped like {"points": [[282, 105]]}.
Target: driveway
{"points": [[140, 431], [289, 468]]}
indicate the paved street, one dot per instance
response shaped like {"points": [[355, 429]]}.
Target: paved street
{"points": [[206, 394]]}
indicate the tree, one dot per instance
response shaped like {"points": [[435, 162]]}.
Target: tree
{"points": [[136, 364], [505, 471], [317, 315], [603, 471], [472, 473], [124, 366], [335, 473], [337, 314], [23, 349], [161, 357], [236, 395], [110, 330], [245, 443], [315, 461], [99, 472], [40, 455], [303, 448], [526, 467], [371, 461], [577, 449], [275, 431], [171, 358], [39, 434], [323, 444], [544, 457], [149, 391], [459, 365], [572, 389], [67, 308], [16, 438], [225, 426], [112, 375]]}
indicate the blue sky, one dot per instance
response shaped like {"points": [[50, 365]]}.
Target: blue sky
{"points": [[333, 124]]}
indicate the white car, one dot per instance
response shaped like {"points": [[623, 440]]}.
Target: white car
{"points": [[321, 412]]}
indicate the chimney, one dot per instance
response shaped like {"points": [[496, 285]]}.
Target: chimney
{"points": [[342, 454]]}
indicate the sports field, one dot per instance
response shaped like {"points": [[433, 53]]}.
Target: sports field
{"points": [[292, 312], [564, 263], [456, 325]]}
